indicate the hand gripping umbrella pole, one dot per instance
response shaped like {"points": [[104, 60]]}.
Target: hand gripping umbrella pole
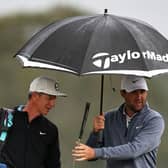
{"points": [[85, 116]]}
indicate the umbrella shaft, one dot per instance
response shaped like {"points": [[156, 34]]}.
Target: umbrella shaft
{"points": [[101, 94]]}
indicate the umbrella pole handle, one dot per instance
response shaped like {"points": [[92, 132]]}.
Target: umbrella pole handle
{"points": [[85, 116], [101, 94]]}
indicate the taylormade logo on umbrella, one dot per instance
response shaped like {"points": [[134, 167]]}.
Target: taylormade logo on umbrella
{"points": [[103, 60]]}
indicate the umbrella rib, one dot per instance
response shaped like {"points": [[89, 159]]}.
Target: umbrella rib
{"points": [[125, 24], [93, 32]]}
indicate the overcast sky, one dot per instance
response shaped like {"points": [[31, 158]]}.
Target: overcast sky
{"points": [[154, 12]]}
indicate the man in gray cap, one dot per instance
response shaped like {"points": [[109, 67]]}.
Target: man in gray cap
{"points": [[131, 133], [33, 141]]}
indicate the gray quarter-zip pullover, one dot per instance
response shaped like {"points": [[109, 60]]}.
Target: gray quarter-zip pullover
{"points": [[132, 147]]}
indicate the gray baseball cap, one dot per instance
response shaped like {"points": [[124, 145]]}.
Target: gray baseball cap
{"points": [[132, 83], [46, 85]]}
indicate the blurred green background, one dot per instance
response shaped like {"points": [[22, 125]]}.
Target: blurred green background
{"points": [[15, 30]]}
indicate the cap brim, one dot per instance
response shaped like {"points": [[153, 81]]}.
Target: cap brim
{"points": [[59, 94], [133, 89]]}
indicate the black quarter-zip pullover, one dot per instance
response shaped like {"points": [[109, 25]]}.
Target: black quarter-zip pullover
{"points": [[32, 144]]}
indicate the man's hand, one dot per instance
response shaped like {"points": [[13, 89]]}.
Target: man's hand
{"points": [[98, 123], [83, 152]]}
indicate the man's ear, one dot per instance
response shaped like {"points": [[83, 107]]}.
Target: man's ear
{"points": [[35, 95], [122, 93]]}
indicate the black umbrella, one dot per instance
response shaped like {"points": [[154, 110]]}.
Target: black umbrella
{"points": [[98, 44]]}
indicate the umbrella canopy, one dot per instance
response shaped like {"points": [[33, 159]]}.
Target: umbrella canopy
{"points": [[98, 44]]}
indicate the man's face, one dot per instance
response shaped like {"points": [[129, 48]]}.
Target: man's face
{"points": [[135, 100], [44, 103]]}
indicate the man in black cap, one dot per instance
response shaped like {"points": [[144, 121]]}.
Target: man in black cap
{"points": [[33, 141]]}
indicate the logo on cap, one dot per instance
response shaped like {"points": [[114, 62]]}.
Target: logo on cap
{"points": [[56, 86], [134, 81]]}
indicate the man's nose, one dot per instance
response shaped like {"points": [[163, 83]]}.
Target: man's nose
{"points": [[52, 102]]}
